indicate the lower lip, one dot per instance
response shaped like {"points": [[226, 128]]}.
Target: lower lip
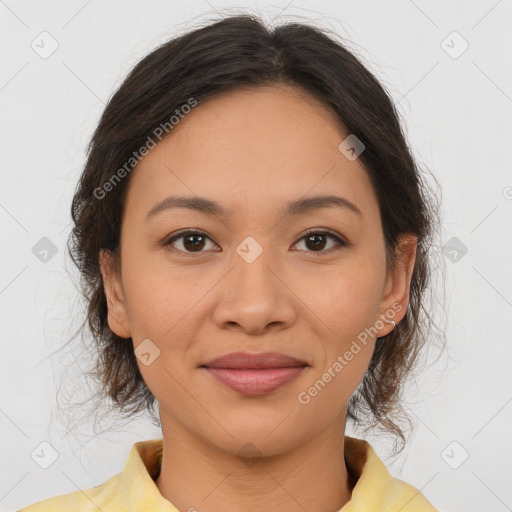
{"points": [[257, 381]]}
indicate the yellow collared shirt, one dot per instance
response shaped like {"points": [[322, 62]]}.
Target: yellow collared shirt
{"points": [[134, 489]]}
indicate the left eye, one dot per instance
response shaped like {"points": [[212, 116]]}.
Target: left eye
{"points": [[195, 241], [317, 240]]}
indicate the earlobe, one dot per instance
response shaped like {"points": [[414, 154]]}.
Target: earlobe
{"points": [[117, 313], [398, 281]]}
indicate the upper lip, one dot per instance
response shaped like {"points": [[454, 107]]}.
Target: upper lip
{"points": [[244, 360]]}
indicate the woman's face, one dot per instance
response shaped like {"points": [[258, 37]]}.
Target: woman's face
{"points": [[256, 278]]}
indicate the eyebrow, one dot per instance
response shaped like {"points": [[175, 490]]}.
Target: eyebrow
{"points": [[209, 207]]}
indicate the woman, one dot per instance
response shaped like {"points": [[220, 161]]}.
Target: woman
{"points": [[253, 234]]}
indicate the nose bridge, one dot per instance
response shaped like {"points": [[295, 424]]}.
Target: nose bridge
{"points": [[252, 263]]}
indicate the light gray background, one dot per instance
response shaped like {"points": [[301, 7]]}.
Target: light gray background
{"points": [[457, 114]]}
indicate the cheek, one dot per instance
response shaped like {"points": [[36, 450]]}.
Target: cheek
{"points": [[346, 298], [164, 306], [159, 297], [345, 304]]}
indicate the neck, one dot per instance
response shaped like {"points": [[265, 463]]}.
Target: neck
{"points": [[198, 476]]}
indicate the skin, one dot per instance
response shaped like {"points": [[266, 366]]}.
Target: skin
{"points": [[252, 151]]}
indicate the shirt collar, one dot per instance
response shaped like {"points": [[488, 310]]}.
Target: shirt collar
{"points": [[364, 464], [145, 458], [137, 480]]}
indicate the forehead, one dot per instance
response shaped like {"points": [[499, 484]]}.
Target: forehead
{"points": [[252, 147]]}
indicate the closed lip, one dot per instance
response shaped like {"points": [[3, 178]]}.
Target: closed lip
{"points": [[245, 360]]}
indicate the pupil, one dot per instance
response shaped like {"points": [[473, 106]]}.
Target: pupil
{"points": [[316, 244], [194, 246]]}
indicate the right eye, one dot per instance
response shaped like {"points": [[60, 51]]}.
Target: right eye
{"points": [[188, 241]]}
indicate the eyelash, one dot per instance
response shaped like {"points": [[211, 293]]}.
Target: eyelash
{"points": [[340, 242]]}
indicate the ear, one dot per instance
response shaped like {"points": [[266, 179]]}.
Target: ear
{"points": [[395, 298], [118, 319]]}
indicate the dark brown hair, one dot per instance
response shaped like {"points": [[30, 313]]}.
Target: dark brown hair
{"points": [[235, 52]]}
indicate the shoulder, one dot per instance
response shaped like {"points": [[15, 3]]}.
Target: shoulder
{"points": [[400, 495], [133, 487], [106, 497]]}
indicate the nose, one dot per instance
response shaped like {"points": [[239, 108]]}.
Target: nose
{"points": [[254, 297]]}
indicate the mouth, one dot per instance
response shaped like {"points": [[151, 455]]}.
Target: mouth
{"points": [[255, 374], [247, 361]]}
